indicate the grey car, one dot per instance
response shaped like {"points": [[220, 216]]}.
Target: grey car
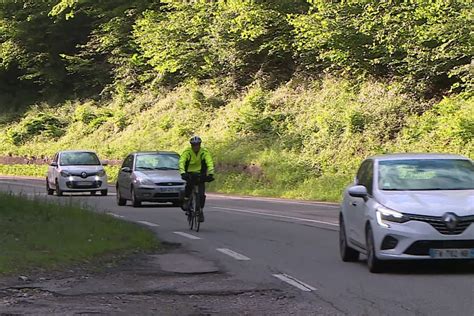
{"points": [[150, 177]]}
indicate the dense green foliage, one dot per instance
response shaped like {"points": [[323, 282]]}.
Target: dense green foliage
{"points": [[295, 91]]}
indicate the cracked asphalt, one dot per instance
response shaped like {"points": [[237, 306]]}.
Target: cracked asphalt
{"points": [[262, 257]]}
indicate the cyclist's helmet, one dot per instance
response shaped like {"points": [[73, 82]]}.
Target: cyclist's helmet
{"points": [[195, 140]]}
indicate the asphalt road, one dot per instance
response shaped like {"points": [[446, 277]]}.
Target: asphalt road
{"points": [[294, 246]]}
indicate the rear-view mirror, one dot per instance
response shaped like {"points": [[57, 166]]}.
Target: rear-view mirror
{"points": [[126, 170]]}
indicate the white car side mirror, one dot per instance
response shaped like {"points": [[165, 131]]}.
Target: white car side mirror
{"points": [[358, 191]]}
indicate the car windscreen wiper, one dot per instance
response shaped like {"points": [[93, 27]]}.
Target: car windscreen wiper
{"points": [[165, 168], [145, 168]]}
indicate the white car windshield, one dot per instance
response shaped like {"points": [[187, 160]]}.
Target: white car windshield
{"points": [[157, 162], [79, 159], [426, 174]]}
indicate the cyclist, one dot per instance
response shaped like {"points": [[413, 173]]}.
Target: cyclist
{"points": [[196, 159]]}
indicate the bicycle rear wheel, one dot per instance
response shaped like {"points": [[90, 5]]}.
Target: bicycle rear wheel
{"points": [[197, 222]]}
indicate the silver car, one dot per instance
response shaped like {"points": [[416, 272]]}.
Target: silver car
{"points": [[409, 206], [150, 177], [76, 171]]}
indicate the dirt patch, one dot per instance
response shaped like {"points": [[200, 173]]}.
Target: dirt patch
{"points": [[252, 169], [140, 285]]}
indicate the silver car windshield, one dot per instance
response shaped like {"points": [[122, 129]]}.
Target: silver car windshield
{"points": [[79, 159], [426, 174], [157, 162]]}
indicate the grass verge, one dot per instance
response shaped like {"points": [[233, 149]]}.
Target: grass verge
{"points": [[37, 234], [24, 170]]}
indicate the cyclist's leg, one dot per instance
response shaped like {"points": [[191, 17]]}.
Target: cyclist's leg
{"points": [[187, 193]]}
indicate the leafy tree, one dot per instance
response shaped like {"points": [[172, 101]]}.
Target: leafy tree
{"points": [[425, 44]]}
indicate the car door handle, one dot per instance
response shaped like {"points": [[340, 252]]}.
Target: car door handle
{"points": [[354, 203]]}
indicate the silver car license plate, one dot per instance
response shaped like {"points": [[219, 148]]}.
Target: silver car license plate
{"points": [[452, 253], [169, 190]]}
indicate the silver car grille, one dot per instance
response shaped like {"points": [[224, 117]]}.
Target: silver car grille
{"points": [[439, 224], [168, 184]]}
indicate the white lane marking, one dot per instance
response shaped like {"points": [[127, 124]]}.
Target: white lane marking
{"points": [[115, 215], [275, 215], [187, 235], [148, 223], [20, 184], [233, 254], [33, 194], [214, 195], [268, 199], [294, 282]]}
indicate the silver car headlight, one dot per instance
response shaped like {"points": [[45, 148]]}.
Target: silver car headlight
{"points": [[101, 173], [144, 181], [385, 216], [65, 174]]}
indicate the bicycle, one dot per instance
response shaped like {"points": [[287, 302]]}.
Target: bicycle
{"points": [[195, 203]]}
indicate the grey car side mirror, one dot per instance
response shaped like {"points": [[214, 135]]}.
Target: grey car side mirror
{"points": [[126, 170], [358, 191], [54, 164]]}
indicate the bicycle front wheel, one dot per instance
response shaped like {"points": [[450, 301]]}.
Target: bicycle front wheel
{"points": [[197, 212], [191, 212]]}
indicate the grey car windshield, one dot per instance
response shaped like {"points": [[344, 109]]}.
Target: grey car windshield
{"points": [[426, 174], [156, 162], [79, 159]]}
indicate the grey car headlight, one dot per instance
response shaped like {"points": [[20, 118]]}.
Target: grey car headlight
{"points": [[101, 173], [385, 215]]}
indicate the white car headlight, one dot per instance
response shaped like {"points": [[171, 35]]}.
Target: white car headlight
{"points": [[65, 174], [101, 173], [385, 215]]}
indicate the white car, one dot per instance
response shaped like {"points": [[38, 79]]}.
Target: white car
{"points": [[76, 171], [409, 206]]}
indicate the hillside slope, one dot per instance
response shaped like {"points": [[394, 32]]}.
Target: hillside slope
{"points": [[301, 140]]}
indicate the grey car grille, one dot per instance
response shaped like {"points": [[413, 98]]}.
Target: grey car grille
{"points": [[438, 223]]}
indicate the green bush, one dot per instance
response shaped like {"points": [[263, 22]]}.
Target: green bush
{"points": [[40, 124]]}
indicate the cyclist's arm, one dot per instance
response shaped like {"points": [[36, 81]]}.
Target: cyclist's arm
{"points": [[182, 162], [209, 162]]}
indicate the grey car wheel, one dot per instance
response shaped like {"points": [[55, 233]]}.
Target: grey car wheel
{"points": [[135, 201], [120, 201]]}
